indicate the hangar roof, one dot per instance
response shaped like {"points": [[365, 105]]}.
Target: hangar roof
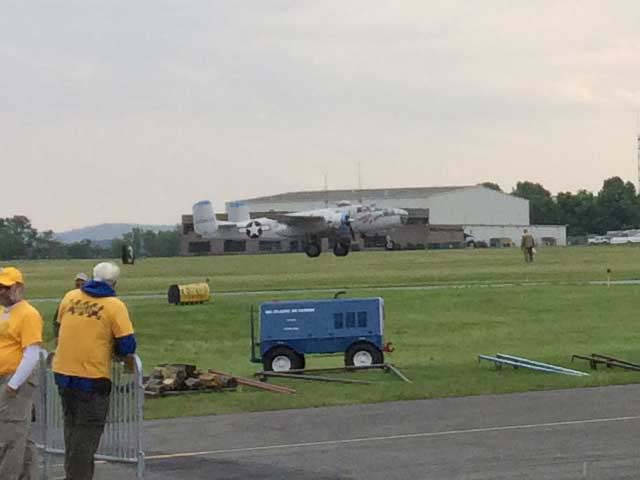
{"points": [[355, 194]]}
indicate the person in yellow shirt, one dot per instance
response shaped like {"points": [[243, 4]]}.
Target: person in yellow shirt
{"points": [[94, 326], [20, 340], [79, 280]]}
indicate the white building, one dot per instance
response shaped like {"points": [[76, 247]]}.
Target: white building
{"points": [[447, 205]]}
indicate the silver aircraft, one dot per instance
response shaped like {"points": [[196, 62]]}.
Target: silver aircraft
{"points": [[341, 224]]}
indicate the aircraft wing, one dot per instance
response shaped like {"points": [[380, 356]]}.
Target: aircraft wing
{"points": [[227, 226], [310, 222]]}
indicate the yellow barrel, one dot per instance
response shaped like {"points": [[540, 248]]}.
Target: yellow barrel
{"points": [[188, 294]]}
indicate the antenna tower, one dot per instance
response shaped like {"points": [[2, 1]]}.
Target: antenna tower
{"points": [[638, 137], [638, 146], [326, 189], [360, 182]]}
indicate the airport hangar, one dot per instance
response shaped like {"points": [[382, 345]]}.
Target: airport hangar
{"points": [[440, 217]]}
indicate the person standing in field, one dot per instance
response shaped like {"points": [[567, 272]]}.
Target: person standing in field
{"points": [[20, 341], [528, 244], [80, 279], [94, 325]]}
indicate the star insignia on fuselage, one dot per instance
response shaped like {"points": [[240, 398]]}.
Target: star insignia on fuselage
{"points": [[254, 229]]}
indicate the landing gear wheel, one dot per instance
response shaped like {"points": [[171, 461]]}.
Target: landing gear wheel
{"points": [[312, 250], [363, 354], [390, 245], [282, 359], [341, 249]]}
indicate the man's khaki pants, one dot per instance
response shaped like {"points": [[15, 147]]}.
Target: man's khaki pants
{"points": [[18, 454], [528, 254]]}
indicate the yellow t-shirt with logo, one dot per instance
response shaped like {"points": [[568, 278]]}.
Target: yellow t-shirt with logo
{"points": [[88, 329], [20, 327]]}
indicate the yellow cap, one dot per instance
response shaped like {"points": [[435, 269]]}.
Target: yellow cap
{"points": [[9, 276]]}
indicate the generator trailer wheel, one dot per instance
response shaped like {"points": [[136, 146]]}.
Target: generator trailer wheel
{"points": [[363, 354], [282, 359]]}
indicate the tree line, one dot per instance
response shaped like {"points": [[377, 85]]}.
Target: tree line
{"points": [[20, 240], [615, 207]]}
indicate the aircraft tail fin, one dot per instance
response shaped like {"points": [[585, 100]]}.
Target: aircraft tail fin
{"points": [[204, 219]]}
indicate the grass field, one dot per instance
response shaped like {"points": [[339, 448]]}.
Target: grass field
{"points": [[275, 272], [438, 333]]}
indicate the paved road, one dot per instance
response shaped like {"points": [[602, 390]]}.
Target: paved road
{"points": [[569, 434]]}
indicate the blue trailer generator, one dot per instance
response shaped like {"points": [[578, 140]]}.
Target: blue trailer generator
{"points": [[291, 330]]}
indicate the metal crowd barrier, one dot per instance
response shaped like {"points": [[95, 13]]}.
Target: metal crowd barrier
{"points": [[122, 437]]}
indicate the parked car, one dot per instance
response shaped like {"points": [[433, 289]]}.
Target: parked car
{"points": [[625, 239], [501, 242], [598, 240]]}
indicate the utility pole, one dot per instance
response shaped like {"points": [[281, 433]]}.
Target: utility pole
{"points": [[638, 147]]}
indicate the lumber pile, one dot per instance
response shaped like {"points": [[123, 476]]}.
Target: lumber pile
{"points": [[174, 378], [180, 379]]}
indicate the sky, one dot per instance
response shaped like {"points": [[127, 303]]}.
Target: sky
{"points": [[127, 111]]}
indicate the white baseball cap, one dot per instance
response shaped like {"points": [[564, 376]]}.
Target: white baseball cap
{"points": [[106, 272]]}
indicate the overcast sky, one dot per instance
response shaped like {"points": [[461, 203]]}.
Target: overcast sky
{"points": [[125, 111]]}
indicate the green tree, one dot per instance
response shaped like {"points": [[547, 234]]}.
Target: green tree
{"points": [[617, 205], [16, 237], [150, 243], [161, 244], [46, 246], [116, 247], [169, 243], [542, 208], [81, 249], [578, 212], [492, 186]]}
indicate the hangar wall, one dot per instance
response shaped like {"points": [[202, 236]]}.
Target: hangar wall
{"points": [[477, 205], [447, 205]]}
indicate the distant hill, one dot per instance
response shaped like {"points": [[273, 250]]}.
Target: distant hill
{"points": [[105, 232]]}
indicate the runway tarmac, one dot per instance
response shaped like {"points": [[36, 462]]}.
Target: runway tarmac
{"points": [[589, 433]]}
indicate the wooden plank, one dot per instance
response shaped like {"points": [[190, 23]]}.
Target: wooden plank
{"points": [[257, 384]]}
